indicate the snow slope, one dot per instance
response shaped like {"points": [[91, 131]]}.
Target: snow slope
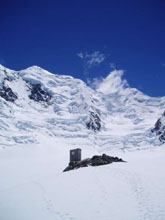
{"points": [[44, 115], [60, 107], [33, 186]]}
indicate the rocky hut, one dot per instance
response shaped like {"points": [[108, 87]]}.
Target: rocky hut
{"points": [[94, 161]]}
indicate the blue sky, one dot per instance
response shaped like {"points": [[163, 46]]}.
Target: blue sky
{"points": [[87, 39]]}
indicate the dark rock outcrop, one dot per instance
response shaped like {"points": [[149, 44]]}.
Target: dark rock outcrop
{"points": [[94, 121], [159, 128], [94, 161], [39, 95], [8, 94]]}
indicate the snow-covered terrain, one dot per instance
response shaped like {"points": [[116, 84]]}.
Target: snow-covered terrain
{"points": [[44, 115]]}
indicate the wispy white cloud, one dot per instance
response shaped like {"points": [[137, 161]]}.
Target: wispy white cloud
{"points": [[163, 64], [92, 59], [95, 82], [111, 84], [112, 66], [80, 55], [95, 58]]}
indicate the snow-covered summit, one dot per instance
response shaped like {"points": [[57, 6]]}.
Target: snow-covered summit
{"points": [[34, 101]]}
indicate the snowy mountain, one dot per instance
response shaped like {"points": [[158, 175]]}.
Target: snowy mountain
{"points": [[34, 101], [44, 115]]}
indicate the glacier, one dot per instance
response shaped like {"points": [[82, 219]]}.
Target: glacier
{"points": [[59, 106], [44, 115]]}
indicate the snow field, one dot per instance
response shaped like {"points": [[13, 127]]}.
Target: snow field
{"points": [[33, 186], [35, 141]]}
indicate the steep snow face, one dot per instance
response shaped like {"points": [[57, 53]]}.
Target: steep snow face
{"points": [[52, 105], [36, 104]]}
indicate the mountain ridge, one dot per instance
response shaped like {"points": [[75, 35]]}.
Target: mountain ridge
{"points": [[62, 107]]}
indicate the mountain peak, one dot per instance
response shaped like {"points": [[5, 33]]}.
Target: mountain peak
{"points": [[2, 68], [65, 108], [34, 67]]}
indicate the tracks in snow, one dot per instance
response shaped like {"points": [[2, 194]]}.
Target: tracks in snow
{"points": [[145, 205]]}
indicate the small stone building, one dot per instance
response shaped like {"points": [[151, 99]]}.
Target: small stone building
{"points": [[75, 155]]}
